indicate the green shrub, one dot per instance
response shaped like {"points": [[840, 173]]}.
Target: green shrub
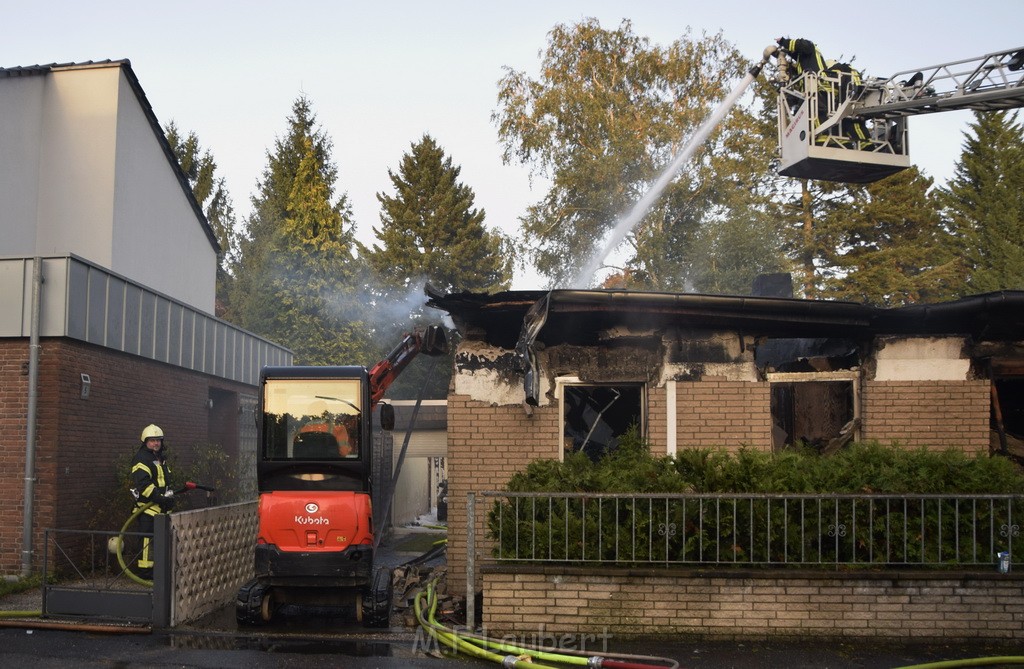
{"points": [[764, 530], [866, 467]]}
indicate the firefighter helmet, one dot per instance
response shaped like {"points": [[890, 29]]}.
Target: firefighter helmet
{"points": [[152, 432]]}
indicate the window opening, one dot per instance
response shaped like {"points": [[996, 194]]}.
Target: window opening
{"points": [[1007, 415], [595, 416], [820, 410], [311, 419]]}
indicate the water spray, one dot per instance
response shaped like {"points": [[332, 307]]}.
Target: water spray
{"points": [[627, 223]]}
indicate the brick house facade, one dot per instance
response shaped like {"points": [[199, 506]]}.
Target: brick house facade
{"points": [[79, 440], [718, 372], [195, 377]]}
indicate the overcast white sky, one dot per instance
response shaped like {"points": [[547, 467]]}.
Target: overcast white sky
{"points": [[380, 77]]}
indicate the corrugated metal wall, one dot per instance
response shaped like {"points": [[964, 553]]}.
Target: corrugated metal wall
{"points": [[83, 301]]}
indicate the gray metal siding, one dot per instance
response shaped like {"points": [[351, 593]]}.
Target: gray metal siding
{"points": [[83, 301]]}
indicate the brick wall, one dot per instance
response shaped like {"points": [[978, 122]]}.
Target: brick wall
{"points": [[487, 445], [719, 413], [752, 605], [81, 441], [13, 408], [936, 414]]}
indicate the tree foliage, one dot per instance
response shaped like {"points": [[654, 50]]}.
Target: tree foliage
{"points": [[863, 467], [431, 230], [887, 246], [606, 114], [298, 281], [211, 193], [984, 204]]}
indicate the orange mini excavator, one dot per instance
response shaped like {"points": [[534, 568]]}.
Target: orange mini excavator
{"points": [[315, 546]]}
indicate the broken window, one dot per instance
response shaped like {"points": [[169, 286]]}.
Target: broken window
{"points": [[1007, 415], [595, 416], [817, 409]]}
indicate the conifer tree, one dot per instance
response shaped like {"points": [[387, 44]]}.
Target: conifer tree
{"points": [[887, 246], [297, 281], [211, 193], [431, 230], [984, 204]]}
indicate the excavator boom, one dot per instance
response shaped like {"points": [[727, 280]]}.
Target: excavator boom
{"points": [[431, 341]]}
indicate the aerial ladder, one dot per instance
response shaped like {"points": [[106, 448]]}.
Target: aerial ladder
{"points": [[835, 127]]}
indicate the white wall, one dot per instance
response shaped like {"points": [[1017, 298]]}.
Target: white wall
{"points": [[76, 170], [921, 359], [21, 104], [83, 171], [157, 239]]}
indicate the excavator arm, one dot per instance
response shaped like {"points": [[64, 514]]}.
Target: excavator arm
{"points": [[432, 341]]}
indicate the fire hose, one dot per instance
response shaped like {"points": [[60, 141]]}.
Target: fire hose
{"points": [[119, 540], [522, 656]]}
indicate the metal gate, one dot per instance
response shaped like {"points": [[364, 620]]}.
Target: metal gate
{"points": [[82, 578]]}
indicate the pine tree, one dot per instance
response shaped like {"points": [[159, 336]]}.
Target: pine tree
{"points": [[984, 204], [298, 282], [431, 232], [430, 229], [211, 193], [887, 246]]}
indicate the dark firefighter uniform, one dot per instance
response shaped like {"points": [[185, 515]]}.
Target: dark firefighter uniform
{"points": [[149, 487], [807, 58]]}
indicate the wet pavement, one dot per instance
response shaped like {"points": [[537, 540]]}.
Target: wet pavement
{"points": [[316, 641]]}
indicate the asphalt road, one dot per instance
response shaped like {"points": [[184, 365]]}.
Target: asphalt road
{"points": [[44, 649], [310, 642]]}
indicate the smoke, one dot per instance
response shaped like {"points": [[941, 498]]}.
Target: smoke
{"points": [[362, 300]]}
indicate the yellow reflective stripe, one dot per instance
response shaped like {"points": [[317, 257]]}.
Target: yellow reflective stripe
{"points": [[159, 478], [148, 490], [144, 560]]}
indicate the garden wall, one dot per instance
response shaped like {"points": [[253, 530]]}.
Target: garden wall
{"points": [[752, 604]]}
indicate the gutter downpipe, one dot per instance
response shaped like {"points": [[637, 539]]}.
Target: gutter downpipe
{"points": [[30, 428]]}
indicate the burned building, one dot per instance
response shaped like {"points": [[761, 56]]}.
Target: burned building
{"points": [[539, 374]]}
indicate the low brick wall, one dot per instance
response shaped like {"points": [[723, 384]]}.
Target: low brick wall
{"points": [[752, 604]]}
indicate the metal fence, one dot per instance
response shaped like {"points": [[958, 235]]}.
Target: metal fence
{"points": [[954, 531], [82, 576], [202, 557]]}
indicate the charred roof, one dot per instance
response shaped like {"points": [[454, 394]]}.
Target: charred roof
{"points": [[580, 316]]}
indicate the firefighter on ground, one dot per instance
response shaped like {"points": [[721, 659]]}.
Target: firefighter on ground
{"points": [[807, 58], [150, 478]]}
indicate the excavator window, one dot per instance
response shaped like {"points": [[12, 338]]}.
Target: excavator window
{"points": [[312, 419]]}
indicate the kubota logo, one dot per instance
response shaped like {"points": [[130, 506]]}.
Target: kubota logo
{"points": [[310, 520], [312, 507]]}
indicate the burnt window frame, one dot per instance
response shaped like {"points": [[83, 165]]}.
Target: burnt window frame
{"points": [[851, 376], [572, 381]]}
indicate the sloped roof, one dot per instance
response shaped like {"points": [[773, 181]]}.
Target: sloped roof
{"points": [[147, 109]]}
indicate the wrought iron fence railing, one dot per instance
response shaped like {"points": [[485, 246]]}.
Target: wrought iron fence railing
{"points": [[807, 530]]}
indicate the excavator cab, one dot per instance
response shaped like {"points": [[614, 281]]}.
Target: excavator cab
{"points": [[821, 138]]}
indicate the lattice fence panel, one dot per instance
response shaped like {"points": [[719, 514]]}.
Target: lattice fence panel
{"points": [[213, 558]]}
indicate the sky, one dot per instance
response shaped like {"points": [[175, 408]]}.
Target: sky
{"points": [[380, 77]]}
